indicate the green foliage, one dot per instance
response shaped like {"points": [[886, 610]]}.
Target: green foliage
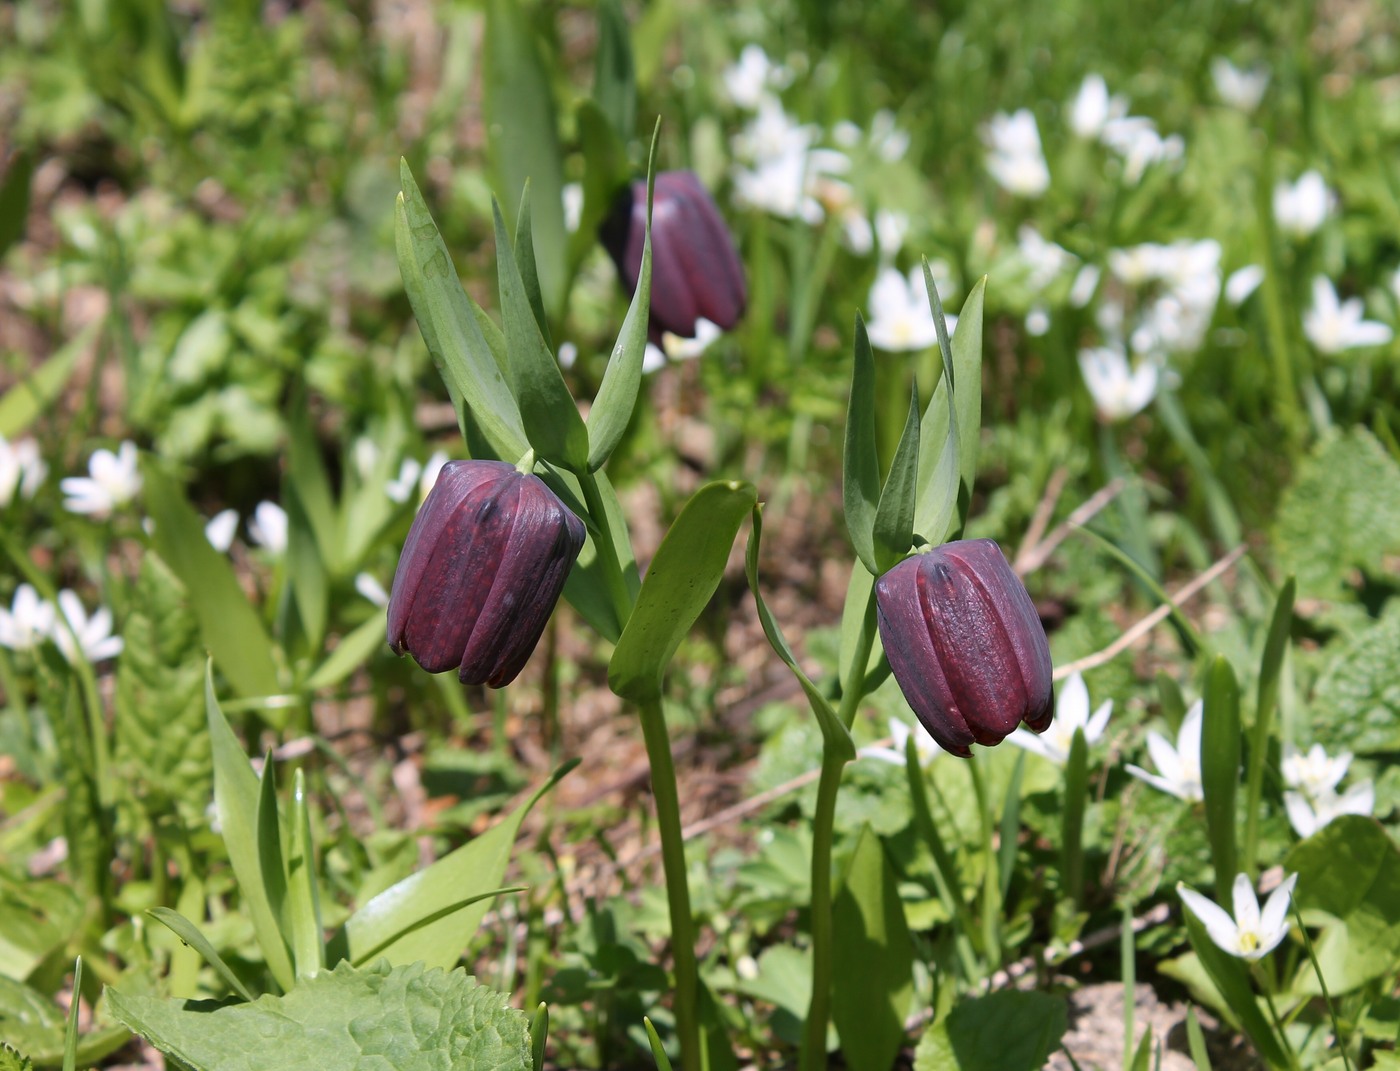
{"points": [[38, 1028], [1357, 704], [409, 1017], [1341, 513], [1007, 1031]]}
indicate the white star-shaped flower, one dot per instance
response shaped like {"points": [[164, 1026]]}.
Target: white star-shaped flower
{"points": [[28, 622], [1314, 772], [268, 527], [221, 529], [1071, 713], [1301, 207], [1119, 389], [1250, 934], [1333, 325], [900, 317], [93, 635], [1239, 88], [1179, 767], [22, 470], [1014, 155], [1308, 814], [113, 480]]}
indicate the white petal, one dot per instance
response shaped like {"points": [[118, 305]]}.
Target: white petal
{"points": [[1218, 924], [1164, 757], [1172, 788], [1024, 738], [1099, 722], [1300, 814], [1246, 904], [1188, 740], [1072, 705], [1274, 922]]}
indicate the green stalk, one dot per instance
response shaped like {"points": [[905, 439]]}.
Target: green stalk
{"points": [[991, 886], [622, 599], [1322, 983], [813, 1053], [668, 822]]}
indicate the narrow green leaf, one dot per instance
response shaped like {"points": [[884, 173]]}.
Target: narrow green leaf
{"points": [[622, 379], [448, 321], [1190, 637], [605, 174], [529, 272], [308, 480], [1270, 669], [14, 193], [967, 368], [303, 910], [349, 654], [1072, 826], [658, 1051], [306, 572], [1127, 958], [1142, 1059], [685, 572], [1220, 771], [271, 859], [30, 396], [1231, 978], [539, 1035], [1010, 829], [70, 1033], [860, 468], [236, 805], [946, 872], [369, 955], [231, 628], [873, 959], [941, 433], [518, 102], [614, 73], [188, 932], [472, 870], [893, 529], [552, 423], [1172, 701], [1196, 1041], [587, 586], [835, 736]]}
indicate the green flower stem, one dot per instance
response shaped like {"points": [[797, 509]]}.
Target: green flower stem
{"points": [[668, 821], [991, 889], [813, 1054], [1322, 984], [622, 599]]}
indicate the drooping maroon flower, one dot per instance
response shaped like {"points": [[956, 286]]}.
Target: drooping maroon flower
{"points": [[965, 644], [481, 571], [695, 270]]}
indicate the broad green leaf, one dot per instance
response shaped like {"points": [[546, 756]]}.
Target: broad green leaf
{"points": [[614, 75], [1220, 771], [518, 102], [893, 530], [1356, 706], [622, 379], [236, 803], [476, 867], [1005, 1031], [1341, 513], [684, 573], [37, 918], [231, 627], [371, 954], [448, 320], [188, 932], [835, 736], [1349, 870], [1231, 978], [350, 653], [409, 1018], [860, 468], [10, 1060], [23, 403], [303, 905], [872, 959], [552, 423], [36, 1027]]}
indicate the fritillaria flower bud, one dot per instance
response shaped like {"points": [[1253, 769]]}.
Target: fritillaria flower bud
{"points": [[482, 568], [695, 271], [965, 644]]}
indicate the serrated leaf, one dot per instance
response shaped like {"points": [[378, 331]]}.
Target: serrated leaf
{"points": [[551, 418], [872, 959], [1357, 704], [11, 1060], [683, 575], [1341, 513], [409, 1018], [1006, 1031]]}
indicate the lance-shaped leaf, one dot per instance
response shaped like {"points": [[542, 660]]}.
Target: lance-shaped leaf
{"points": [[942, 438], [860, 469], [1220, 771], [683, 575], [553, 425], [614, 73], [894, 518], [447, 318], [617, 394], [518, 102], [835, 736]]}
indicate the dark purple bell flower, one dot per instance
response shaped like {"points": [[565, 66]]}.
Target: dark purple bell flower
{"points": [[965, 644], [481, 570], [695, 271]]}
